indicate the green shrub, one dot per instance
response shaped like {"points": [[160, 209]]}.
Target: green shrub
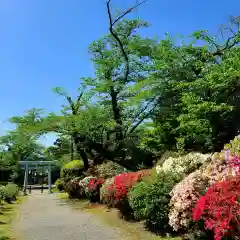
{"points": [[11, 192], [150, 198], [2, 193], [74, 164], [109, 169], [60, 184], [72, 169]]}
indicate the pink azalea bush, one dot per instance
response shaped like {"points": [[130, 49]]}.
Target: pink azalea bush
{"points": [[223, 165], [183, 198]]}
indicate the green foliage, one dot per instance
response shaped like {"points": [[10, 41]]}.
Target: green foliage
{"points": [[10, 192], [72, 169], [60, 184], [74, 164], [2, 192], [150, 198]]}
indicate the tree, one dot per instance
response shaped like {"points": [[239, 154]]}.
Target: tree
{"points": [[20, 144], [197, 89]]}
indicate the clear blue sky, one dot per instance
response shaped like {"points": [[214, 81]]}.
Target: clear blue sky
{"points": [[44, 43]]}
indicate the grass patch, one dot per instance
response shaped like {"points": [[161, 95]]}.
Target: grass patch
{"points": [[54, 190], [7, 213], [61, 195], [132, 230]]}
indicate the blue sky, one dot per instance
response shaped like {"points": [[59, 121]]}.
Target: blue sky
{"points": [[44, 43]]}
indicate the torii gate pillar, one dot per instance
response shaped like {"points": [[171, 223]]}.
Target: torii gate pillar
{"points": [[49, 178]]}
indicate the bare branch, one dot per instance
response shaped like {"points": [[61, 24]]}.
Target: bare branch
{"points": [[128, 11], [141, 120], [143, 109], [111, 25], [145, 116], [127, 68], [79, 99]]}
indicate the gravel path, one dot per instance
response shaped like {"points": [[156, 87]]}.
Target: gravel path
{"points": [[43, 218]]}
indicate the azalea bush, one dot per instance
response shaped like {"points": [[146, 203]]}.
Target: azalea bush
{"points": [[234, 146], [109, 169], [73, 189], [184, 197], [150, 199], [116, 195], [93, 189], [85, 181], [219, 208], [184, 164], [222, 166], [104, 190]]}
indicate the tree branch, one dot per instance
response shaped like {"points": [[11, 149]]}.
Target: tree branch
{"points": [[127, 11], [142, 119], [111, 25], [143, 109], [79, 99]]}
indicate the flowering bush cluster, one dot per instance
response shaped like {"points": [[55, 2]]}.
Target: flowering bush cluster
{"points": [[184, 196], [220, 208], [184, 164], [177, 197]]}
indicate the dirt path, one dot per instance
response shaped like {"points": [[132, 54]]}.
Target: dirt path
{"points": [[42, 217]]}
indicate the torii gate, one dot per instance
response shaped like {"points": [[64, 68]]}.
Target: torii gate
{"points": [[36, 165]]}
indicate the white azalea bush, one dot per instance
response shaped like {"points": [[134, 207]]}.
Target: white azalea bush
{"points": [[84, 183], [109, 169], [104, 189], [184, 164]]}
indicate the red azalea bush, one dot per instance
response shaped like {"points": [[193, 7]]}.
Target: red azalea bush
{"points": [[116, 194], [93, 189], [219, 208]]}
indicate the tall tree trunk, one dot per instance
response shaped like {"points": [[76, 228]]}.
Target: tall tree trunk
{"points": [[72, 148], [78, 140]]}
